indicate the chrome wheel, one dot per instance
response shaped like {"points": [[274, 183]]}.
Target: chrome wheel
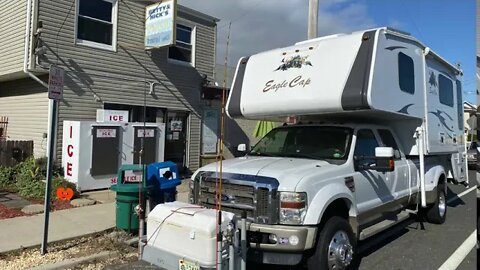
{"points": [[340, 251], [442, 204]]}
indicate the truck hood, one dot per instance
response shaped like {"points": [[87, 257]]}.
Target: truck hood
{"points": [[288, 171]]}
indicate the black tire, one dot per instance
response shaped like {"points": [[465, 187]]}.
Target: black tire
{"points": [[335, 226], [434, 213]]}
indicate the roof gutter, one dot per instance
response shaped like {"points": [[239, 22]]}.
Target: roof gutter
{"points": [[26, 56]]}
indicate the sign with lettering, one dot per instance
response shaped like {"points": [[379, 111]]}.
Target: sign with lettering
{"points": [[149, 133], [112, 116], [106, 133], [55, 82], [160, 28]]}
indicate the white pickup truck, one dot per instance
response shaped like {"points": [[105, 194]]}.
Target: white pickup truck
{"points": [[379, 133], [320, 187]]}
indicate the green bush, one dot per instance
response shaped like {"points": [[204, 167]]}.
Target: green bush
{"points": [[7, 178], [28, 179]]}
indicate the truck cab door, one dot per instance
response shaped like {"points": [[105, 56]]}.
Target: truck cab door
{"points": [[372, 191]]}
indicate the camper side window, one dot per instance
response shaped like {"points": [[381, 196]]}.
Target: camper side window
{"points": [[406, 73], [445, 90]]}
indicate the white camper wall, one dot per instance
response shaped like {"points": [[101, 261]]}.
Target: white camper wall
{"points": [[385, 92], [308, 78]]}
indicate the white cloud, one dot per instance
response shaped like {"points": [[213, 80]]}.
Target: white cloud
{"points": [[259, 25]]}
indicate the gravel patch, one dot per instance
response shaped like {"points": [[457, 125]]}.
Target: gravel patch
{"points": [[76, 248]]}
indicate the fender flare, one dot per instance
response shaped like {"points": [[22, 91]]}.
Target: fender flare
{"points": [[432, 176], [323, 198]]}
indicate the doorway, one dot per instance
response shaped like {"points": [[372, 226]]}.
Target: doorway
{"points": [[176, 139]]}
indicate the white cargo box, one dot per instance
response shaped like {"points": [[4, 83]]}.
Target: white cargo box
{"points": [[186, 230]]}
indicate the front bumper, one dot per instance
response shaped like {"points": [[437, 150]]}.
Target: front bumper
{"points": [[304, 234], [283, 252]]}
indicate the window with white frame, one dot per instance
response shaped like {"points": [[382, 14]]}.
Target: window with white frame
{"points": [[183, 50], [96, 23]]}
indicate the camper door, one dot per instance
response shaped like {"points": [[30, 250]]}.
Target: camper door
{"points": [[444, 109]]}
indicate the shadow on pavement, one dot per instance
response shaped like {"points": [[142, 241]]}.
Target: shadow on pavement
{"points": [[453, 202]]}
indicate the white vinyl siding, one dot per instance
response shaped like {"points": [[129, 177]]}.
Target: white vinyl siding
{"points": [[25, 103], [12, 33]]}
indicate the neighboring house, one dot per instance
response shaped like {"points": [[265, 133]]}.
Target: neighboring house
{"points": [[469, 110], [100, 44]]}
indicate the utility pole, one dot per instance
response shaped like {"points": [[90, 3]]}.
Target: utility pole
{"points": [[312, 18]]}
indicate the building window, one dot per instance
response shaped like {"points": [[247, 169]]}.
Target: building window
{"points": [[445, 90], [183, 50], [406, 73], [97, 23]]}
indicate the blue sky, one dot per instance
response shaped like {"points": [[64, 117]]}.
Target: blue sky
{"points": [[446, 26]]}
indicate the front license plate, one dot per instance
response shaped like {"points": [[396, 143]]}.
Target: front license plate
{"points": [[186, 265]]}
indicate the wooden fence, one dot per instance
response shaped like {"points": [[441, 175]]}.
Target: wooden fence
{"points": [[13, 152]]}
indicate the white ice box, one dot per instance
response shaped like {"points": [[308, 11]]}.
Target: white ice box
{"points": [[186, 230]]}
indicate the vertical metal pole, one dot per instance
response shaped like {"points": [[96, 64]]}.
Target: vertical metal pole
{"points": [[243, 240], [420, 143], [219, 242], [48, 185], [231, 256], [312, 18]]}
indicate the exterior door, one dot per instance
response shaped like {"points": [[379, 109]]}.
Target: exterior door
{"points": [[176, 139], [372, 191]]}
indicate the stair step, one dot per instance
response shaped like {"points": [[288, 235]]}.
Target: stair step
{"points": [[383, 225]]}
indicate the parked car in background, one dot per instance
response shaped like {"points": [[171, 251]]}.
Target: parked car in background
{"points": [[472, 154]]}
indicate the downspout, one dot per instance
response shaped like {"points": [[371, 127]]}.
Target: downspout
{"points": [[26, 56]]}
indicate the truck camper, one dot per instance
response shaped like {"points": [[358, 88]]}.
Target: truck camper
{"points": [[379, 134]]}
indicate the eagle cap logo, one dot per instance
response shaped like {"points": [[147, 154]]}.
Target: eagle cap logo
{"points": [[296, 61]]}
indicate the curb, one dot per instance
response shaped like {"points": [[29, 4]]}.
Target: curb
{"points": [[19, 249], [73, 262]]}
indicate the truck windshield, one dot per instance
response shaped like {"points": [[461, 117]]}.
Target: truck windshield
{"points": [[313, 142]]}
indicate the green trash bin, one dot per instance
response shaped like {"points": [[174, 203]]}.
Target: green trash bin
{"points": [[127, 199]]}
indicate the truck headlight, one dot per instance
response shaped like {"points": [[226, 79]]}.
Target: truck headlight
{"points": [[471, 156], [293, 207]]}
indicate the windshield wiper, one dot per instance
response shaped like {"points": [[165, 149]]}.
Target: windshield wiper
{"points": [[260, 154], [301, 155]]}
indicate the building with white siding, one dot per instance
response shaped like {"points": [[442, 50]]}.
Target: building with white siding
{"points": [[100, 45]]}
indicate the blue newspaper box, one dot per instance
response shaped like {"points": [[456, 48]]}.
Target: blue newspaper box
{"points": [[164, 178]]}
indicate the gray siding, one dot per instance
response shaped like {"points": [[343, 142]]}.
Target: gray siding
{"points": [[25, 103], [96, 76], [12, 34]]}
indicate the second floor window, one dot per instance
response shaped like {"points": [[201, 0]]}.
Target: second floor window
{"points": [[183, 49], [96, 23]]}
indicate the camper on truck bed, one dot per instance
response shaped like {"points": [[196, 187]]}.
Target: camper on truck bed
{"points": [[379, 135]]}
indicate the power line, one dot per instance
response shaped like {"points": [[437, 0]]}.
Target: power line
{"points": [[243, 15]]}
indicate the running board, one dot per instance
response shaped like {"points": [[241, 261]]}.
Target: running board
{"points": [[376, 228]]}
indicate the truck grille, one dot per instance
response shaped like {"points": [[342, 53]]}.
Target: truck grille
{"points": [[236, 198]]}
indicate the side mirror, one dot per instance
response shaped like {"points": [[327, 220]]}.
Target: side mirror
{"points": [[384, 157], [242, 148], [384, 152]]}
